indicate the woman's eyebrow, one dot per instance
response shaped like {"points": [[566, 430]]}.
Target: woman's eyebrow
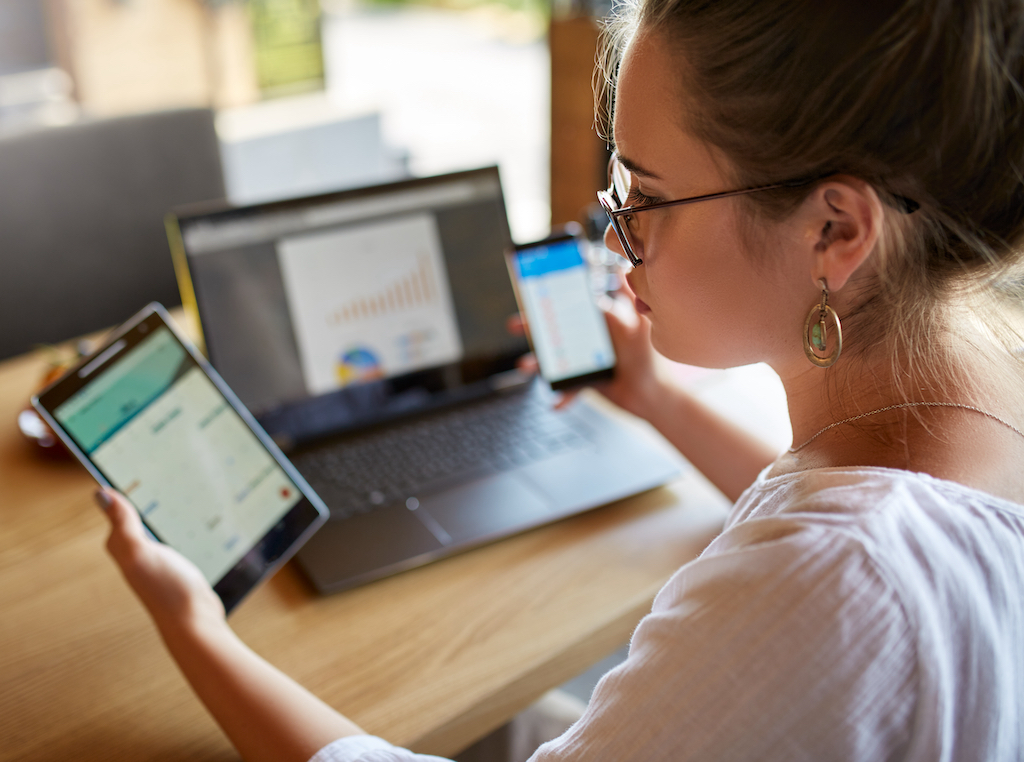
{"points": [[636, 169]]}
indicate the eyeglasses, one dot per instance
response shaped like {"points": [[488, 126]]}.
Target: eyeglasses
{"points": [[622, 218], [620, 181]]}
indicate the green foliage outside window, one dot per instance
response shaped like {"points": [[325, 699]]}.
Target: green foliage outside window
{"points": [[539, 10], [289, 53]]}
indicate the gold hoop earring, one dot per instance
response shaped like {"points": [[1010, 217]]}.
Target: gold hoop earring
{"points": [[815, 334]]}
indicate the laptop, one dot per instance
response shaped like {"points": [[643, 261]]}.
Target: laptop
{"points": [[366, 330]]}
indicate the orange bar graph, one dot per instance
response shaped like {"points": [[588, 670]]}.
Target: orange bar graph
{"points": [[406, 292]]}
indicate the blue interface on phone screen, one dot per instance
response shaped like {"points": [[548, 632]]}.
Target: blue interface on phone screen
{"points": [[568, 330]]}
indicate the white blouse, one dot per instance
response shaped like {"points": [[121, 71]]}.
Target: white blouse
{"points": [[863, 614]]}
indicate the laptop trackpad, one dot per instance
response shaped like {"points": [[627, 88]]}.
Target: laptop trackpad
{"points": [[486, 507], [343, 551]]}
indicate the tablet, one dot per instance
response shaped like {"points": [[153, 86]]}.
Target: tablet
{"points": [[148, 416]]}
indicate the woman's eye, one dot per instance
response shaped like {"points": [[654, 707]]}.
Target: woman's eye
{"points": [[638, 198]]}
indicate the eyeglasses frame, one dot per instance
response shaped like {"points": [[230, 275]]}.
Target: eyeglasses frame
{"points": [[609, 201]]}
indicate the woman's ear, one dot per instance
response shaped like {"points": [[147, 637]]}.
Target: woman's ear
{"points": [[845, 219]]}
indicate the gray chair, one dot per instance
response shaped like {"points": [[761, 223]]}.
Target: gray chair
{"points": [[82, 241]]}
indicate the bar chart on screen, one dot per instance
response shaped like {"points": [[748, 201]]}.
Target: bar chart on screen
{"points": [[369, 300], [408, 291]]}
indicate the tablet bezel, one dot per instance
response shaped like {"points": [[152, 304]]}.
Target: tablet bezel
{"points": [[283, 539]]}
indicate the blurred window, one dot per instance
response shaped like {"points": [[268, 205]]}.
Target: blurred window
{"points": [[459, 85]]}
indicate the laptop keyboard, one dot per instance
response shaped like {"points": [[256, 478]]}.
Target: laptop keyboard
{"points": [[382, 467]]}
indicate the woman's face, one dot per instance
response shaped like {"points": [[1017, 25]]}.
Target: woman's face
{"points": [[708, 303]]}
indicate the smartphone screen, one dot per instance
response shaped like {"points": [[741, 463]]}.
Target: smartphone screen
{"points": [[567, 328]]}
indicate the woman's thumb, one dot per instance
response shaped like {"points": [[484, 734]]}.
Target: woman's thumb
{"points": [[125, 524]]}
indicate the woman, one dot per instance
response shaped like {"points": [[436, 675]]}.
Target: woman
{"points": [[863, 232]]}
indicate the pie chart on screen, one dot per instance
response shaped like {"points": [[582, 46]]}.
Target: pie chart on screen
{"points": [[358, 365]]}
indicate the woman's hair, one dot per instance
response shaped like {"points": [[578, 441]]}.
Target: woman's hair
{"points": [[924, 99]]}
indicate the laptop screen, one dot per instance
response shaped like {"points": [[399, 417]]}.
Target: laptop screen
{"points": [[337, 311]]}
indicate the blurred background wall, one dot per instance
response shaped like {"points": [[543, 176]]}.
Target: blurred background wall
{"points": [[23, 42], [310, 96]]}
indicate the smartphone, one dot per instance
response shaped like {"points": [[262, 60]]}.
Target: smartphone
{"points": [[568, 332], [146, 415]]}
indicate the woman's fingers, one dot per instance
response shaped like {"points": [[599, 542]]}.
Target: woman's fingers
{"points": [[123, 518], [516, 325], [629, 338], [566, 398], [528, 364], [169, 585], [126, 532]]}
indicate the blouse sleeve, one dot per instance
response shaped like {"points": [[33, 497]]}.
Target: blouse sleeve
{"points": [[782, 642], [368, 749]]}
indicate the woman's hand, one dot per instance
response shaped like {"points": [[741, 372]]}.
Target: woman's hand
{"points": [[634, 386], [266, 714], [170, 586]]}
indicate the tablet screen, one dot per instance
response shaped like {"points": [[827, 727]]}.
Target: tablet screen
{"points": [[160, 431]]}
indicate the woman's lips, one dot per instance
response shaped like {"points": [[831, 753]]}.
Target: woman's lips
{"points": [[641, 305]]}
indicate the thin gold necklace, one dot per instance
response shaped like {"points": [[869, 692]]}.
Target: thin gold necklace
{"points": [[909, 404]]}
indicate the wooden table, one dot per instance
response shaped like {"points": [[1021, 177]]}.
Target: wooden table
{"points": [[431, 659]]}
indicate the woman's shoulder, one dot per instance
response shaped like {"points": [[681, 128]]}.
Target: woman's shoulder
{"points": [[836, 544], [885, 580], [781, 626], [911, 529], [849, 497], [787, 534], [872, 556], [813, 544]]}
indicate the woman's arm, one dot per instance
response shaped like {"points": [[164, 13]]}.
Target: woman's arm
{"points": [[730, 457], [726, 454], [265, 714]]}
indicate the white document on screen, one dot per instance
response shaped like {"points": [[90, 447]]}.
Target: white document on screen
{"points": [[369, 301], [198, 475]]}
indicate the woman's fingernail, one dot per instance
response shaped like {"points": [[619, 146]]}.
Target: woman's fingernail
{"points": [[103, 500]]}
